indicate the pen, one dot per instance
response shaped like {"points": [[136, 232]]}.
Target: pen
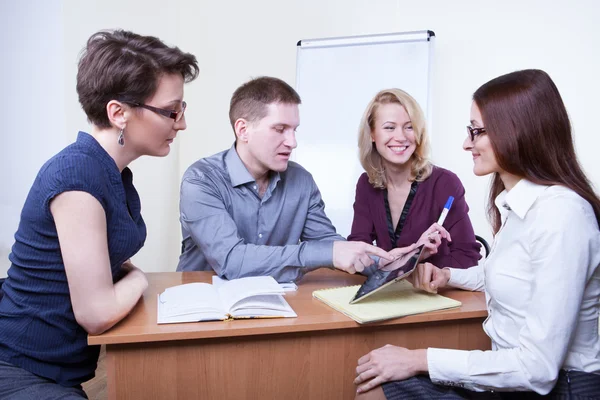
{"points": [[445, 210]]}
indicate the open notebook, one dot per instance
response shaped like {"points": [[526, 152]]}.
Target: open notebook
{"points": [[253, 297], [396, 300]]}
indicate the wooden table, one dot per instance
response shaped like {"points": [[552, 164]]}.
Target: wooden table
{"points": [[313, 356]]}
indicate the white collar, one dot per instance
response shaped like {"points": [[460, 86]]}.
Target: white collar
{"points": [[520, 198]]}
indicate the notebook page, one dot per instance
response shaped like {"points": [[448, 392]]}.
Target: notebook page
{"points": [[191, 317], [286, 286], [235, 290], [397, 300], [190, 298], [263, 306]]}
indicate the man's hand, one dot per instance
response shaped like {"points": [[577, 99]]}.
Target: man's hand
{"points": [[354, 257]]}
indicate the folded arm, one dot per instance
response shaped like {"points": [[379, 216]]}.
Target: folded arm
{"points": [[97, 303]]}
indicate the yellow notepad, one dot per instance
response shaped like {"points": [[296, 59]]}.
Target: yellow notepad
{"points": [[396, 300]]}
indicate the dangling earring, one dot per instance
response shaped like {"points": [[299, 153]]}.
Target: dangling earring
{"points": [[121, 138]]}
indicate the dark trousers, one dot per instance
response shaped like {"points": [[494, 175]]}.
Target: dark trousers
{"points": [[19, 384], [571, 385]]}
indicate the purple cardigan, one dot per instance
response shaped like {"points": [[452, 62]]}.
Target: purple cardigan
{"points": [[370, 219]]}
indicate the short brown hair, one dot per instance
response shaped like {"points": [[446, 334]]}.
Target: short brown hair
{"points": [[124, 66], [530, 133], [370, 159], [250, 100]]}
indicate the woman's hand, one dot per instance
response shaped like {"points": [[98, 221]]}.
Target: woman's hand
{"points": [[389, 363], [134, 273], [429, 278], [400, 254], [432, 239], [128, 267]]}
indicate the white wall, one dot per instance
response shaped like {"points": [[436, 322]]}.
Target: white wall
{"points": [[235, 40], [31, 105], [475, 41]]}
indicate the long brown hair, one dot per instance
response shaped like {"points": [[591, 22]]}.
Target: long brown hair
{"points": [[530, 133], [370, 159]]}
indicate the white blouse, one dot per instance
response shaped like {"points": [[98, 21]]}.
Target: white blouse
{"points": [[542, 286]]}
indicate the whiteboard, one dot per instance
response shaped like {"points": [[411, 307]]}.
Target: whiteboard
{"points": [[336, 79]]}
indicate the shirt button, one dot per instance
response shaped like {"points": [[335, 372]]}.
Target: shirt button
{"points": [[260, 235], [254, 187]]}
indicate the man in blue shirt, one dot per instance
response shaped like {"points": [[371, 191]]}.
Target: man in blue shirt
{"points": [[250, 211]]}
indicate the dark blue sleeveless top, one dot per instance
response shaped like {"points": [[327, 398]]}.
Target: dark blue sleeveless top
{"points": [[38, 330]]}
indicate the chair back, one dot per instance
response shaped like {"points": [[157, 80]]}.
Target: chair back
{"points": [[484, 244]]}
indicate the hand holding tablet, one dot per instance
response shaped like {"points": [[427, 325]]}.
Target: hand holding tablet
{"points": [[380, 278], [407, 262]]}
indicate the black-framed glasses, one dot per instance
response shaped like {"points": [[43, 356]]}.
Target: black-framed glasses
{"points": [[474, 132], [176, 115]]}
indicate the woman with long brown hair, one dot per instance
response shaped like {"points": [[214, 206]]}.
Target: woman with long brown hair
{"points": [[541, 280]]}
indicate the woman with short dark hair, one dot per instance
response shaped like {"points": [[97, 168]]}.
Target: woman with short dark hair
{"points": [[81, 222], [541, 280]]}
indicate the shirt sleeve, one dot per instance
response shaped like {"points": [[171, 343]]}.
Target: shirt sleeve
{"points": [[561, 254], [464, 249], [472, 279], [205, 216], [318, 226], [363, 228], [76, 172]]}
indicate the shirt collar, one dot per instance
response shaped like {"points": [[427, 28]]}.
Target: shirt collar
{"points": [[238, 174], [520, 198]]}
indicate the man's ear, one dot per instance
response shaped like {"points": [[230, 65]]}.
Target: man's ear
{"points": [[115, 111], [241, 129]]}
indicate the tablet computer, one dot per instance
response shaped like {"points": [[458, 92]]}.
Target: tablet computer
{"points": [[393, 272]]}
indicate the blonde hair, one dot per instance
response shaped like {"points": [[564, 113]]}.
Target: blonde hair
{"points": [[370, 159]]}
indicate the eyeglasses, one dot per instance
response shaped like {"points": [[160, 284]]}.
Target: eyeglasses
{"points": [[474, 132], [176, 115]]}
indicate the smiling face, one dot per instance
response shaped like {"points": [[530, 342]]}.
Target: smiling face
{"points": [[149, 133], [266, 145], [484, 160], [393, 134]]}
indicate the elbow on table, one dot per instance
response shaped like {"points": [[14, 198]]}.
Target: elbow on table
{"points": [[95, 322]]}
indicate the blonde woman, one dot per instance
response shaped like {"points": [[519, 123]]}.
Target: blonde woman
{"points": [[402, 194]]}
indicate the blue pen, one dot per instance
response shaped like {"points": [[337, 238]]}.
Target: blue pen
{"points": [[445, 210]]}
